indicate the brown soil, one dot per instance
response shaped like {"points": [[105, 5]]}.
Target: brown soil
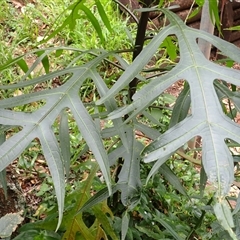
{"points": [[9, 205]]}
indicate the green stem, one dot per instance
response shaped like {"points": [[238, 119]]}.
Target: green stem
{"points": [[189, 158]]}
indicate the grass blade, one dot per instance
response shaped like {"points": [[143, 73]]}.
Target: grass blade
{"points": [[103, 15]]}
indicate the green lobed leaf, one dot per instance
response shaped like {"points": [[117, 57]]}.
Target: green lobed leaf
{"points": [[224, 216], [64, 141], [3, 176], [207, 119], [38, 125], [54, 160], [70, 20], [48, 223], [148, 131], [119, 128], [129, 177], [171, 48]]}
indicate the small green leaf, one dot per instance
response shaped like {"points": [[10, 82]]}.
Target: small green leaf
{"points": [[94, 21], [28, 235], [161, 2], [235, 28], [170, 47], [45, 61], [214, 13], [58, 52], [23, 65], [155, 115], [194, 12], [103, 15]]}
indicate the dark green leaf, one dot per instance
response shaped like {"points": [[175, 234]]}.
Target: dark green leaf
{"points": [[94, 21], [224, 217], [45, 62], [214, 13], [39, 123], [181, 107], [203, 181], [23, 65], [172, 178], [103, 15]]}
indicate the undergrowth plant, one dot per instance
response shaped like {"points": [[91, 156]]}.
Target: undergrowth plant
{"points": [[197, 112]]}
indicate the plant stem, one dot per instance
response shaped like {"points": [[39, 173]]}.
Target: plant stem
{"points": [[139, 42], [189, 158]]}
